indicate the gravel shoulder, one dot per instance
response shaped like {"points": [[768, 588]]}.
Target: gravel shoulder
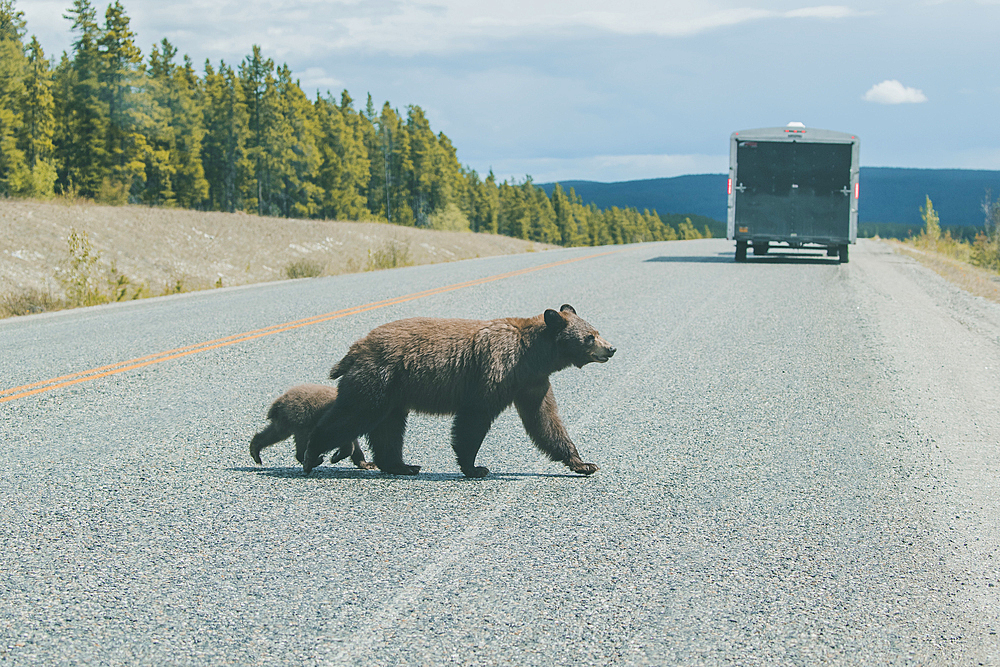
{"points": [[943, 346]]}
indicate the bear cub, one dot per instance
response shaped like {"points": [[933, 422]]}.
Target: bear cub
{"points": [[295, 413], [473, 369]]}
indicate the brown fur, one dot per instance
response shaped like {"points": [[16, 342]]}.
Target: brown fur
{"points": [[295, 413], [472, 369]]}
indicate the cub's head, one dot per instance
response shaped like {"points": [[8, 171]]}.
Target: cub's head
{"points": [[579, 342]]}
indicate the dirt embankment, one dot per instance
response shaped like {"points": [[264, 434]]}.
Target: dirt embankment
{"points": [[163, 250]]}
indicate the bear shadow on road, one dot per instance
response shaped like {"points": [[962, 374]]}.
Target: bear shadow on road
{"points": [[295, 472]]}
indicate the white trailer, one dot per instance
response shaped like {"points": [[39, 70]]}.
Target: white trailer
{"points": [[793, 185]]}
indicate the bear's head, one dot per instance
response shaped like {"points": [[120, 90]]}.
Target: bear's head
{"points": [[576, 340]]}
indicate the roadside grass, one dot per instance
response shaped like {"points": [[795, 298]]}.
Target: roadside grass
{"points": [[29, 301], [972, 265], [973, 279]]}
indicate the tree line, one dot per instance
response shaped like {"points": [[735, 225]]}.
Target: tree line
{"points": [[107, 123]]}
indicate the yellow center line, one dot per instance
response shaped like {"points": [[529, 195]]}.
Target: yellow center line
{"points": [[148, 360]]}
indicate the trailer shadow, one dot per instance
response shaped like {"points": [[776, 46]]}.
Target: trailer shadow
{"points": [[771, 257], [792, 258], [701, 259]]}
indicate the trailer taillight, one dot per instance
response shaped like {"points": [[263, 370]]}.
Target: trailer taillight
{"points": [[729, 187], [857, 190]]}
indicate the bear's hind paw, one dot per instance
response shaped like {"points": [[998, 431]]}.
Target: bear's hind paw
{"points": [[476, 471], [401, 469]]}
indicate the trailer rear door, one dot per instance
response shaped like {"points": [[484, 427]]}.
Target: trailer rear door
{"points": [[794, 189]]}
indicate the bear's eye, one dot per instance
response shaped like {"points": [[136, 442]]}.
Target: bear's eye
{"points": [[589, 340]]}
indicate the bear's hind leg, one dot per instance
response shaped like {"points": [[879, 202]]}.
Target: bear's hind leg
{"points": [[467, 434], [334, 431], [386, 442]]}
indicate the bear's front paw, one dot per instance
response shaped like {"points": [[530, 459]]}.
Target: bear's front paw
{"points": [[476, 471], [583, 468], [367, 465]]}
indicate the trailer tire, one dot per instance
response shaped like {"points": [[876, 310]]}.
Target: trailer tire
{"points": [[844, 254], [741, 251]]}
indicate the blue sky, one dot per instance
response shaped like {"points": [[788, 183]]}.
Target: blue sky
{"points": [[577, 90]]}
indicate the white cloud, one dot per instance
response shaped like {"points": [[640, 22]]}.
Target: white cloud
{"points": [[892, 91], [227, 28]]}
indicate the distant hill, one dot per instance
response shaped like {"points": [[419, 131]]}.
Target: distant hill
{"points": [[888, 194]]}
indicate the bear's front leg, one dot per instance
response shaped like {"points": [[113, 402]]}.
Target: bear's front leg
{"points": [[537, 407]]}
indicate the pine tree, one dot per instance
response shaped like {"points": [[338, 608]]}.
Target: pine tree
{"points": [[228, 169], [130, 110], [81, 114], [256, 77], [932, 223], [38, 125], [14, 171], [391, 170], [296, 153], [343, 175], [177, 174]]}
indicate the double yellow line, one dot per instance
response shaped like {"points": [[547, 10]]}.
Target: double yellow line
{"points": [[122, 366]]}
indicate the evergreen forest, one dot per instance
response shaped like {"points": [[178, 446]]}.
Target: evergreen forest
{"points": [[107, 123]]}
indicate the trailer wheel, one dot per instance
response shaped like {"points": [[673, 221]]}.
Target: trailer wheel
{"points": [[741, 251], [844, 255]]}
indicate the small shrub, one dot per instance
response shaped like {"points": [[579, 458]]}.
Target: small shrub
{"points": [[112, 192], [303, 268], [77, 274], [391, 254], [450, 218]]}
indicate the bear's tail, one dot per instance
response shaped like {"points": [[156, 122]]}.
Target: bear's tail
{"points": [[341, 367]]}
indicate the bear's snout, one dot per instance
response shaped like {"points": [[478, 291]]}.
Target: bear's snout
{"points": [[602, 352]]}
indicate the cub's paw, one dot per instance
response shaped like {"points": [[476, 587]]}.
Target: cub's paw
{"points": [[476, 471], [367, 465], [583, 468]]}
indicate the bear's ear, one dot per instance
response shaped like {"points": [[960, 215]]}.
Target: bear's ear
{"points": [[554, 320], [566, 308]]}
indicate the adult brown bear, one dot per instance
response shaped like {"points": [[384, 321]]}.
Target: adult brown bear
{"points": [[473, 369]]}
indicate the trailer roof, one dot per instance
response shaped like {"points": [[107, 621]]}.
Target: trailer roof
{"points": [[795, 133]]}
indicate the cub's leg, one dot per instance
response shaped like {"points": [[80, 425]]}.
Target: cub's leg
{"points": [[537, 408], [273, 433], [386, 443], [357, 456], [467, 433]]}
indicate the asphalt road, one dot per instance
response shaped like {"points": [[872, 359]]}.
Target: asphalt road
{"points": [[798, 465]]}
